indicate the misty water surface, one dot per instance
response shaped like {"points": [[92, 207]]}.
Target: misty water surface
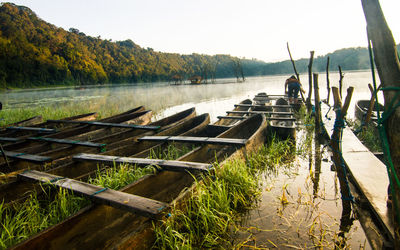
{"points": [[165, 99]]}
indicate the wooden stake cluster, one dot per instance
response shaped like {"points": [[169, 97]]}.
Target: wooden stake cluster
{"points": [[341, 76], [336, 144], [371, 104]]}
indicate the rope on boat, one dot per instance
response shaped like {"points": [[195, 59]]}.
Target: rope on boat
{"points": [[99, 191], [382, 123]]}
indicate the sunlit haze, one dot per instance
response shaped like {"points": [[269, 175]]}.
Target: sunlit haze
{"points": [[251, 29]]}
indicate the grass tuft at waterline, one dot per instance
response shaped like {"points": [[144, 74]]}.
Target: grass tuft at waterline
{"points": [[208, 216]]}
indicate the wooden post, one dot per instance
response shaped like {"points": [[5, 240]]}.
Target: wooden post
{"points": [[341, 75], [310, 81], [327, 81], [295, 70], [336, 144], [371, 104], [388, 66], [317, 106]]}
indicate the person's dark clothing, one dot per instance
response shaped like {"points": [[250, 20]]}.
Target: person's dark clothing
{"points": [[293, 89]]}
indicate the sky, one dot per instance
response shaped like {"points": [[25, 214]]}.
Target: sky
{"points": [[248, 29]]}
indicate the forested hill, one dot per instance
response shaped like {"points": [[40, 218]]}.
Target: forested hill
{"points": [[36, 53]]}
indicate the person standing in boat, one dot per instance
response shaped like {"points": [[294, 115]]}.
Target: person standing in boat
{"points": [[292, 88]]}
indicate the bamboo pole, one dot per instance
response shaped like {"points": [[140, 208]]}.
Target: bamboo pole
{"points": [[317, 105], [327, 81], [371, 104], [295, 70], [310, 82]]}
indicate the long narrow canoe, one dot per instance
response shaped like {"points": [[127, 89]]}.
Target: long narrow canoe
{"points": [[47, 124], [129, 117], [284, 129], [100, 226], [361, 108], [176, 124], [46, 148], [230, 122]]}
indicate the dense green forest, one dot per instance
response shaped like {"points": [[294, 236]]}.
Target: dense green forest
{"points": [[36, 53]]}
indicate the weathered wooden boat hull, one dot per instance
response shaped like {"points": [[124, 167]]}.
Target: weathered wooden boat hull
{"points": [[174, 125], [100, 226], [79, 129], [282, 129], [55, 151], [48, 124], [361, 108], [230, 122]]}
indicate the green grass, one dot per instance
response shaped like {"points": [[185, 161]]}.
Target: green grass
{"points": [[368, 135], [207, 218], [24, 220]]}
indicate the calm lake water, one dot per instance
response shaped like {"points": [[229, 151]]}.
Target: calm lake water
{"points": [[165, 99]]}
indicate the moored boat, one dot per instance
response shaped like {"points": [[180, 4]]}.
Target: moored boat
{"points": [[172, 125], [282, 126], [361, 108], [115, 228]]}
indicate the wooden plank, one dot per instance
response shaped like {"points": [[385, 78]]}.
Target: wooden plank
{"points": [[102, 146], [132, 203], [232, 117], [164, 164], [105, 124], [199, 140], [9, 139], [268, 118], [27, 157], [263, 106], [260, 112], [34, 129]]}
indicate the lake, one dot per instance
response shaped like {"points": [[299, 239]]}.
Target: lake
{"points": [[165, 99]]}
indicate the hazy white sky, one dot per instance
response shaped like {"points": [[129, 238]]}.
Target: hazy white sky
{"points": [[252, 28]]}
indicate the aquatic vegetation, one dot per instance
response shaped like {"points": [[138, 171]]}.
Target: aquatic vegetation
{"points": [[368, 135], [23, 220], [35, 214], [213, 210], [172, 152], [118, 177]]}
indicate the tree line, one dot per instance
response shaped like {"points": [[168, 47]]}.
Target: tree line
{"points": [[36, 53]]}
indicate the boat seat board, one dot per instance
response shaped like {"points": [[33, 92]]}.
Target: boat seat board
{"points": [[192, 139], [257, 106], [164, 164], [259, 112], [34, 129], [9, 139], [232, 117], [27, 157], [129, 202], [368, 172], [69, 142], [114, 125]]}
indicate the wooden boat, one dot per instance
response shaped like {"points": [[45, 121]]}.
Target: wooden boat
{"points": [[234, 118], [173, 125], [27, 122], [100, 226], [284, 129], [62, 154], [262, 98], [48, 124], [136, 116], [361, 108]]}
